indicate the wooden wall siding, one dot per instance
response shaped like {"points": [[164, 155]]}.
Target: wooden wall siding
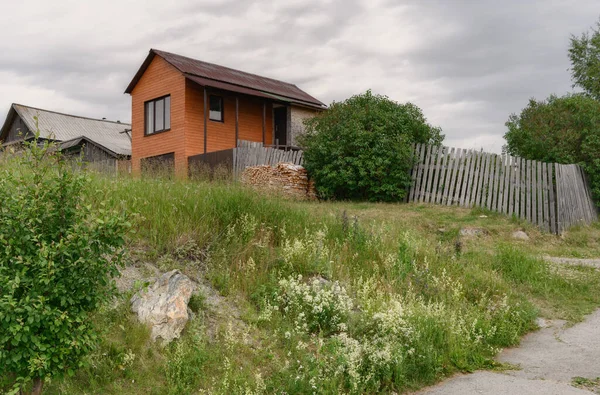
{"points": [[551, 196], [18, 131], [221, 135], [186, 137], [160, 79]]}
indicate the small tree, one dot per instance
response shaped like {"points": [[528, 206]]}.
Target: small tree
{"points": [[560, 129], [584, 53], [361, 148], [57, 258]]}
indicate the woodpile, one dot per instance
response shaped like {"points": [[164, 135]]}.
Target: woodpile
{"points": [[286, 179]]}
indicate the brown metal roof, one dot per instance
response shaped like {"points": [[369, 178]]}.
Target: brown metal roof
{"points": [[246, 91], [240, 79]]}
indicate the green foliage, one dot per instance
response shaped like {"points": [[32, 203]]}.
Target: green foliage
{"points": [[560, 129], [361, 148], [57, 257], [584, 53], [385, 303]]}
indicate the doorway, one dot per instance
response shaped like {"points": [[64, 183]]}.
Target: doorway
{"points": [[280, 125]]}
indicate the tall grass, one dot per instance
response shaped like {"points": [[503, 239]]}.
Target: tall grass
{"points": [[328, 303]]}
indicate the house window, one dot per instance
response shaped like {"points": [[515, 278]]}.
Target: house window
{"points": [[158, 115], [216, 108]]}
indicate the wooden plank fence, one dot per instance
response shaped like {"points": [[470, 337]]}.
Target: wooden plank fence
{"points": [[254, 154], [549, 195]]}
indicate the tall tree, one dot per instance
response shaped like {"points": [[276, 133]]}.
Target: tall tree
{"points": [[584, 53], [560, 129]]}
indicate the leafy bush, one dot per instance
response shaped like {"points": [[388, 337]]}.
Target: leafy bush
{"points": [[560, 129], [57, 257], [361, 148]]}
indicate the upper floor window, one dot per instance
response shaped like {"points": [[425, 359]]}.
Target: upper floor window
{"points": [[216, 108], [158, 115]]}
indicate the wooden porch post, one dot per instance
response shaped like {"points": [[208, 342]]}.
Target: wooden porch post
{"points": [[205, 112], [264, 123], [237, 127]]}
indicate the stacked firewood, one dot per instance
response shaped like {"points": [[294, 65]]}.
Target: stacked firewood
{"points": [[284, 178]]}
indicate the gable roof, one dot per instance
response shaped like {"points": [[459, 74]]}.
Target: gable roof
{"points": [[62, 127], [230, 79]]}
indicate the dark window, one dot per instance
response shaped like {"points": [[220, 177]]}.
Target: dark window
{"points": [[216, 108], [158, 115]]}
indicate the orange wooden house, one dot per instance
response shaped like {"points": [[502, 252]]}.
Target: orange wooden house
{"points": [[183, 107]]}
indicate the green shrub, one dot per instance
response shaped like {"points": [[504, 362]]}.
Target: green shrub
{"points": [[559, 129], [361, 148], [57, 257]]}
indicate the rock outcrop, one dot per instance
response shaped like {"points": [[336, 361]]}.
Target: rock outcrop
{"points": [[164, 305], [520, 235]]}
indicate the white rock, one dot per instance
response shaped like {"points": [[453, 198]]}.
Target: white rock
{"points": [[520, 235], [470, 232], [164, 305]]}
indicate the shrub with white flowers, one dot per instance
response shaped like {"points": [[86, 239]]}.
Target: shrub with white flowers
{"points": [[316, 306]]}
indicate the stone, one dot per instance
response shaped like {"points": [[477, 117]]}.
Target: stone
{"points": [[520, 235], [164, 305], [468, 232]]}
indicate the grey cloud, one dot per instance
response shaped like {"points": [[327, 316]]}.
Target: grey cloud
{"points": [[468, 64]]}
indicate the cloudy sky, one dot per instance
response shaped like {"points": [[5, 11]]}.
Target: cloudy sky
{"points": [[468, 64]]}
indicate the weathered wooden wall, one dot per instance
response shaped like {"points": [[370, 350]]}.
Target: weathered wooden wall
{"points": [[549, 195]]}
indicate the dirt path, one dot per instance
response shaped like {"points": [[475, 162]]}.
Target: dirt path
{"points": [[549, 360]]}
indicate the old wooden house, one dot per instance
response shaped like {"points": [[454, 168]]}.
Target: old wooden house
{"points": [[183, 107], [106, 144]]}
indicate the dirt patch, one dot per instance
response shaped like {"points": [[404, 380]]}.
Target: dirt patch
{"points": [[138, 273]]}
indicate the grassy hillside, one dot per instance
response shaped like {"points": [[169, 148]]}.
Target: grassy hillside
{"points": [[326, 297]]}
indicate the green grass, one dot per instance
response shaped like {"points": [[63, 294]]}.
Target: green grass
{"points": [[424, 303]]}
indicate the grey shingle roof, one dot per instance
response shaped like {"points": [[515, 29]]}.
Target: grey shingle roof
{"points": [[63, 127]]}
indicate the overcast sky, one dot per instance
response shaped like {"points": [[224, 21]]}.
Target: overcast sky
{"points": [[467, 64]]}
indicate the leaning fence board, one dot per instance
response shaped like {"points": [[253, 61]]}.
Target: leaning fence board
{"points": [[438, 170], [482, 179], [514, 191], [434, 153], [545, 196], [490, 187], [477, 179], [468, 187], [540, 198], [499, 192], [452, 185], [426, 169], [448, 174], [465, 185], [442, 171], [534, 192], [419, 167], [460, 166], [506, 185]]}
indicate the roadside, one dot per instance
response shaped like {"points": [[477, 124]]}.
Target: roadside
{"points": [[553, 360], [574, 261]]}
